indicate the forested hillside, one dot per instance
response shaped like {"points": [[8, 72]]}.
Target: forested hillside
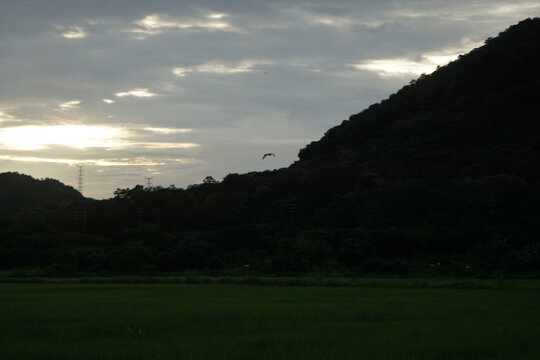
{"points": [[440, 178], [23, 191]]}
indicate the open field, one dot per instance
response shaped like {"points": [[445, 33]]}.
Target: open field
{"points": [[179, 321]]}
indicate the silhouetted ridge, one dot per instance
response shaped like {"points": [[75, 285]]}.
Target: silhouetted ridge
{"points": [[20, 191], [472, 101]]}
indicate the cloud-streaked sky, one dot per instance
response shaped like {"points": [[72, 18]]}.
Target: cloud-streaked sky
{"points": [[179, 90]]}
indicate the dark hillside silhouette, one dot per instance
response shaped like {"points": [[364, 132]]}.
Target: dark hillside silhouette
{"points": [[23, 191], [440, 178]]}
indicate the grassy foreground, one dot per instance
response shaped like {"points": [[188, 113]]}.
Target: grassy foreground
{"points": [[171, 321]]}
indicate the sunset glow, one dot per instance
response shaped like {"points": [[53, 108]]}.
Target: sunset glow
{"points": [[74, 136]]}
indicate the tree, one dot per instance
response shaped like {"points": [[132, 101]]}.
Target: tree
{"points": [[209, 180]]}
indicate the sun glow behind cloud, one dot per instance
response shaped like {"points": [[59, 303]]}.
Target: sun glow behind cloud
{"points": [[42, 138], [84, 136], [137, 161], [74, 136], [217, 16], [427, 64], [396, 67], [403, 66]]}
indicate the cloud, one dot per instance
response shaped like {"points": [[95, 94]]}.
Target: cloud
{"points": [[158, 24], [216, 67], [332, 21], [168, 130], [221, 68], [427, 64], [72, 32], [6, 117], [32, 137], [164, 145], [109, 101], [69, 105], [181, 72], [138, 161], [170, 87], [143, 93], [217, 16], [396, 67], [524, 9]]}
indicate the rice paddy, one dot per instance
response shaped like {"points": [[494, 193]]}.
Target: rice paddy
{"points": [[212, 321]]}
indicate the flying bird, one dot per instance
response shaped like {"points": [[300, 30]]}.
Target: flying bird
{"points": [[268, 154]]}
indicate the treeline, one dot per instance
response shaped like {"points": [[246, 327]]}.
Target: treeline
{"points": [[402, 231]]}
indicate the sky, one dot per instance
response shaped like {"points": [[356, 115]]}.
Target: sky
{"points": [[169, 92]]}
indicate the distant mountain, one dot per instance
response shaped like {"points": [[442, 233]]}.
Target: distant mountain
{"points": [[23, 191]]}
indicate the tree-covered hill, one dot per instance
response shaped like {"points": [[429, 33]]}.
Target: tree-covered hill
{"points": [[23, 191], [478, 116], [440, 178]]}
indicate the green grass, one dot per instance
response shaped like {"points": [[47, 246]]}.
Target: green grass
{"points": [[178, 321]]}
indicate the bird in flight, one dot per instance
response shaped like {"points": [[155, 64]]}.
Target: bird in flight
{"points": [[268, 154]]}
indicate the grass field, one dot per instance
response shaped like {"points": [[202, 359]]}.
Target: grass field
{"points": [[178, 321]]}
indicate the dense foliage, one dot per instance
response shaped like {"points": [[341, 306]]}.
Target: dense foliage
{"points": [[441, 178]]}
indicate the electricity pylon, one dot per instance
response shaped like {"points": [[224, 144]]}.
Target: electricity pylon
{"points": [[80, 173]]}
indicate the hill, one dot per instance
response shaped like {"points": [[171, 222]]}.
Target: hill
{"points": [[478, 109], [23, 191], [440, 178]]}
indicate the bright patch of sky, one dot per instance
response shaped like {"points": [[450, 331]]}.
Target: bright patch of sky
{"points": [[180, 90], [168, 130], [137, 161], [401, 67], [220, 68], [74, 136], [69, 105], [82, 137], [135, 92], [155, 24], [427, 63]]}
